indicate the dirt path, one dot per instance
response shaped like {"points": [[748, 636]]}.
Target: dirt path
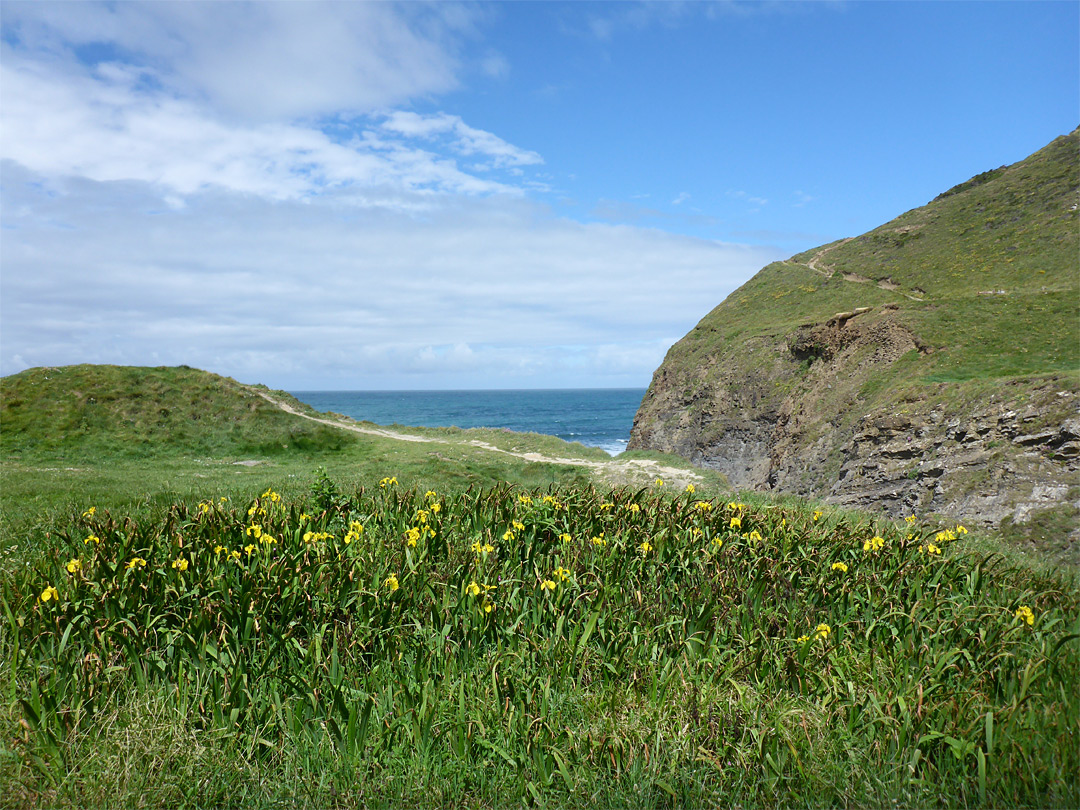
{"points": [[814, 263], [615, 471]]}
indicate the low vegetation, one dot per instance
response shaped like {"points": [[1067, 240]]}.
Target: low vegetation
{"points": [[504, 645]]}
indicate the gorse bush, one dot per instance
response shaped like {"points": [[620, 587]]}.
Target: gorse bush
{"points": [[559, 646]]}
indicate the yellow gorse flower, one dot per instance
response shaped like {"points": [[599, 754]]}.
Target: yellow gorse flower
{"points": [[50, 593]]}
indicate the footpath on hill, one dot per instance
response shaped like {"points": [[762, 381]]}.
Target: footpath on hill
{"points": [[616, 471]]}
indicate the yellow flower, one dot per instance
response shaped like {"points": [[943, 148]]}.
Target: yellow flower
{"points": [[562, 574], [180, 564], [704, 506], [50, 593], [817, 515], [391, 582], [755, 536], [304, 516], [604, 507], [518, 525], [93, 538], [253, 531], [204, 507], [89, 512], [690, 488], [696, 532], [566, 538], [219, 549], [645, 547], [1023, 613], [823, 631], [422, 516], [430, 495], [717, 542], [634, 509], [736, 522], [472, 589], [508, 535], [249, 548], [411, 537], [802, 639], [839, 566], [598, 540], [436, 508], [875, 543], [960, 529], [74, 566], [525, 499], [136, 562], [659, 482], [234, 554], [488, 606], [387, 482], [547, 585], [223, 499]]}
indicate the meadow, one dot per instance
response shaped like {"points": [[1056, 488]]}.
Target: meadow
{"points": [[542, 643]]}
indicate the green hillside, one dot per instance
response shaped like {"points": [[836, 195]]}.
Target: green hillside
{"points": [[92, 412], [930, 365], [986, 276]]}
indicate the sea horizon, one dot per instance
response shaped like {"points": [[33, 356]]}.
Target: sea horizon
{"points": [[596, 417]]}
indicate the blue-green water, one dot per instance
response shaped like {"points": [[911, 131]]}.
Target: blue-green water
{"points": [[598, 417]]}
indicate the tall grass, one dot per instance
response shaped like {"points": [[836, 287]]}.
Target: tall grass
{"points": [[560, 647]]}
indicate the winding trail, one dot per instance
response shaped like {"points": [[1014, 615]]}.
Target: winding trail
{"points": [[616, 471], [814, 263]]}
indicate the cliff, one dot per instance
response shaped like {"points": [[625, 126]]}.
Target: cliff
{"points": [[931, 365]]}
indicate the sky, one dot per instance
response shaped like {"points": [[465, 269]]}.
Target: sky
{"points": [[382, 196]]}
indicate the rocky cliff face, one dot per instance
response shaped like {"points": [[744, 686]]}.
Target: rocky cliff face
{"points": [[930, 391]]}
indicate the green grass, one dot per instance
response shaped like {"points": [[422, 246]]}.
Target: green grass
{"points": [[676, 649]]}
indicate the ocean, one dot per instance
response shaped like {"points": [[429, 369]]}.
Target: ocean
{"points": [[598, 417]]}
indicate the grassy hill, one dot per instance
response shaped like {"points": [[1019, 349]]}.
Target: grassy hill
{"points": [[89, 412], [986, 275], [902, 368]]}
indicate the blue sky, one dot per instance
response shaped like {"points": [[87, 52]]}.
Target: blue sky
{"points": [[508, 195]]}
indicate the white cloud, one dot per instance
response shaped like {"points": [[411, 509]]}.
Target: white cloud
{"points": [[681, 198], [259, 61], [104, 128], [479, 292], [465, 140]]}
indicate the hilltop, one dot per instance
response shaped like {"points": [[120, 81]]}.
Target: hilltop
{"points": [[88, 412], [929, 365]]}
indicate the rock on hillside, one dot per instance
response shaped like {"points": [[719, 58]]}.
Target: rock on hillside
{"points": [[930, 365]]}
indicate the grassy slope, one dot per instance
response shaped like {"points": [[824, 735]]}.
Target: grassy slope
{"points": [[1017, 230]]}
